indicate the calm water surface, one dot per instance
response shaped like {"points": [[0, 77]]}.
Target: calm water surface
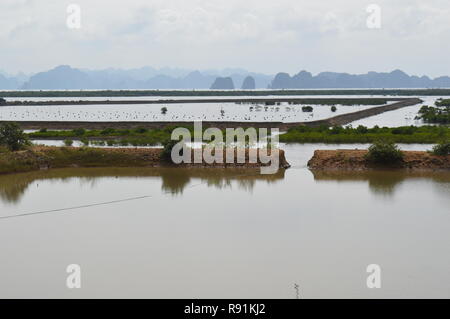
{"points": [[226, 233], [207, 111]]}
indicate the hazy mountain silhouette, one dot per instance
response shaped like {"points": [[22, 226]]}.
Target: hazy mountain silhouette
{"points": [[62, 77], [194, 80], [223, 84], [249, 83], [394, 79], [9, 83], [66, 77]]}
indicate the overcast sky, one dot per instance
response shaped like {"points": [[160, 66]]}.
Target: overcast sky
{"points": [[258, 35]]}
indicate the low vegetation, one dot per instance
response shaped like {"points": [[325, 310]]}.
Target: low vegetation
{"points": [[12, 137], [443, 102], [68, 142], [384, 153], [166, 154], [35, 158], [436, 115], [362, 134], [300, 134], [110, 136], [113, 137], [441, 149]]}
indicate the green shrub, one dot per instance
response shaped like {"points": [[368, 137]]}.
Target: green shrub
{"points": [[439, 114], [12, 137], [123, 132], [141, 130], [307, 109], [441, 149], [384, 152], [107, 131], [68, 142], [166, 154], [79, 131], [336, 130], [361, 129], [442, 102], [333, 109]]}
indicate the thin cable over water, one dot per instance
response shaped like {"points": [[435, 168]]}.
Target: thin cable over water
{"points": [[104, 203]]}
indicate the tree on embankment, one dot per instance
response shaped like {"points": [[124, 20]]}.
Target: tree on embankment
{"points": [[12, 137]]}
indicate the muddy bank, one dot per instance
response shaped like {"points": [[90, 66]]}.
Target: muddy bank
{"points": [[355, 160], [47, 157]]}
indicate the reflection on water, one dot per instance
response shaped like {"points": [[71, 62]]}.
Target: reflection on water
{"points": [[174, 180], [385, 182]]}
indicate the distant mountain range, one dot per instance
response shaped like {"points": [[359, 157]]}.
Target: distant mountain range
{"points": [[9, 83], [67, 78], [394, 79]]}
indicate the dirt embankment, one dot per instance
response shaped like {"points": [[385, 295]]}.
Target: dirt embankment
{"points": [[43, 157], [355, 160], [354, 116]]}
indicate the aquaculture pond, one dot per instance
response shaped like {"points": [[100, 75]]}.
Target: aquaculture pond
{"points": [[169, 112], [257, 112], [216, 233], [221, 111]]}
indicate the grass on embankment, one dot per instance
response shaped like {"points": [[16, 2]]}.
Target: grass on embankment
{"points": [[361, 134], [301, 134], [110, 136], [36, 158], [153, 135]]}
